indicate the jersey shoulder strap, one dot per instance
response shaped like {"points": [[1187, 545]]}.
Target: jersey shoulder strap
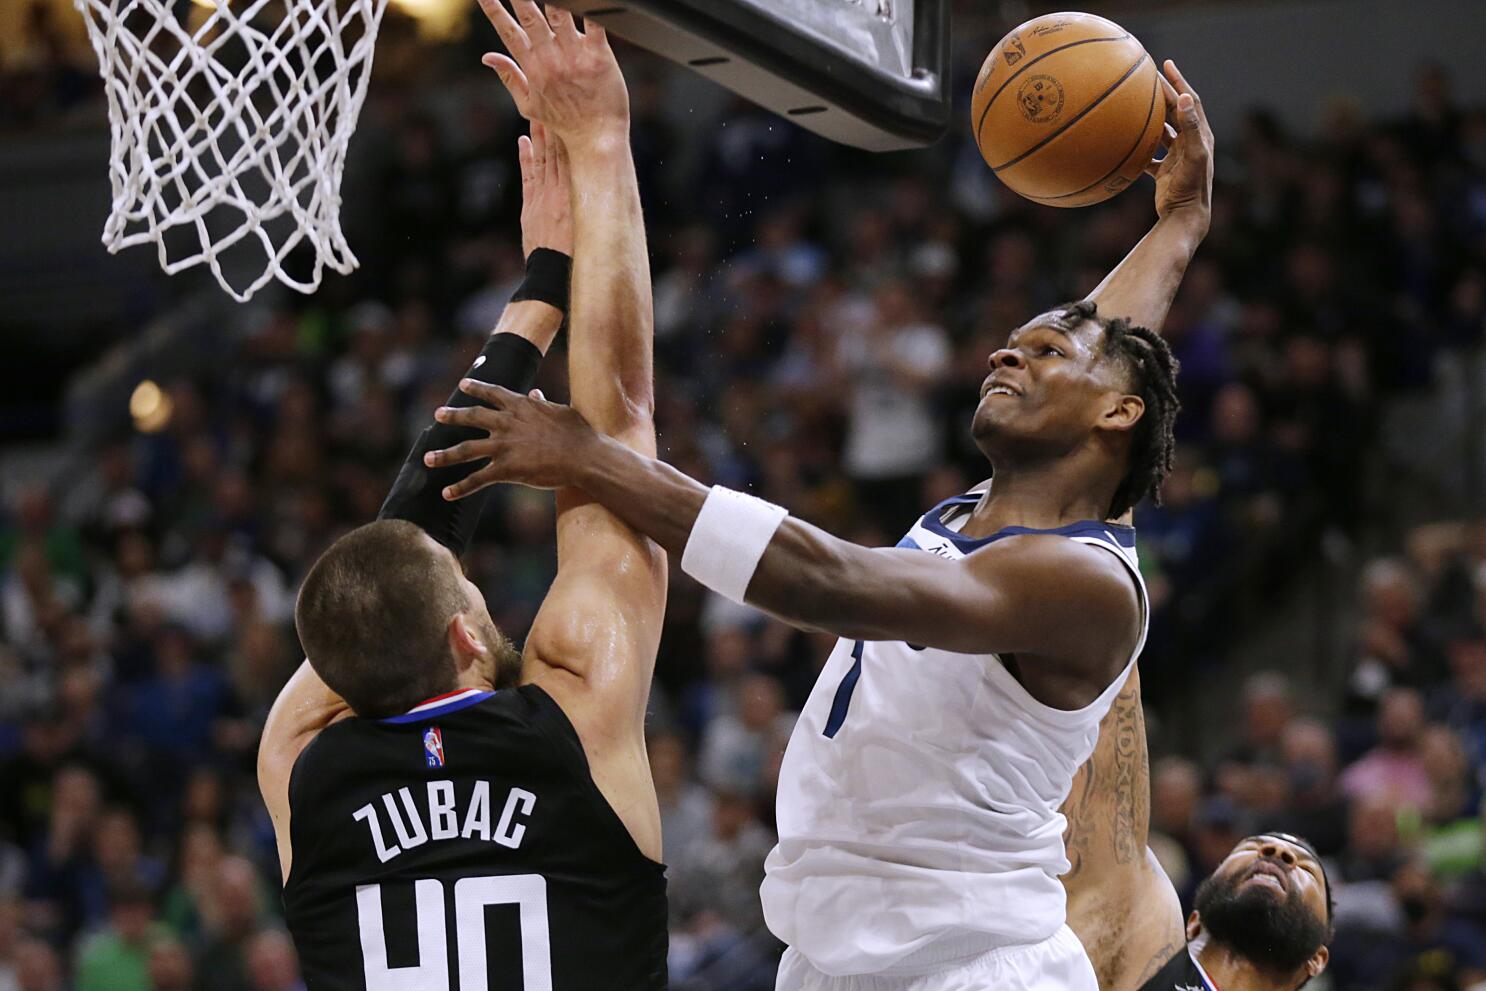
{"points": [[1179, 974]]}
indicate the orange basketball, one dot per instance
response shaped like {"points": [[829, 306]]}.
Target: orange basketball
{"points": [[1068, 109]]}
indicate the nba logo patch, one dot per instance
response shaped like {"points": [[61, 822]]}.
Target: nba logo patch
{"points": [[433, 746]]}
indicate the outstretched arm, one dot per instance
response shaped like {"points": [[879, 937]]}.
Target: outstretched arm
{"points": [[1031, 594], [592, 646], [511, 356], [1142, 286], [526, 328]]}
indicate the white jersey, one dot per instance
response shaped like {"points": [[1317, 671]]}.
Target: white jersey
{"points": [[918, 800]]}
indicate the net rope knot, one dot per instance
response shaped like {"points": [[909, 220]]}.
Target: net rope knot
{"points": [[234, 131]]}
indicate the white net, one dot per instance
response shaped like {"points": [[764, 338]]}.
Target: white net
{"points": [[229, 137]]}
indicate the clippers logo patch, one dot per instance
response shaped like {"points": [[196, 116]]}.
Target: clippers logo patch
{"points": [[433, 746]]}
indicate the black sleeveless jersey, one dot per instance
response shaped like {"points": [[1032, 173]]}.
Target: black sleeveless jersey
{"points": [[465, 846], [1179, 974]]}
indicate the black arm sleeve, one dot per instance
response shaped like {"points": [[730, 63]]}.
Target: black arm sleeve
{"points": [[417, 495]]}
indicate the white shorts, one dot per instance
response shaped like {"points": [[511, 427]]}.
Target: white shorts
{"points": [[1058, 963]]}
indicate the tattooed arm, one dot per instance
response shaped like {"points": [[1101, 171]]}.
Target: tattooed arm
{"points": [[1120, 902]]}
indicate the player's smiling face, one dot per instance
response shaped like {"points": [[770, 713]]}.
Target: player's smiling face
{"points": [[1047, 389]]}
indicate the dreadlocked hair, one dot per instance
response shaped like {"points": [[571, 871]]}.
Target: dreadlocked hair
{"points": [[1153, 369]]}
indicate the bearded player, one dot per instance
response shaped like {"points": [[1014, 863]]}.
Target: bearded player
{"points": [[1261, 922], [450, 812], [920, 840]]}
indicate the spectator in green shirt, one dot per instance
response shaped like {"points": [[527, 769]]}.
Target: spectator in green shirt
{"points": [[117, 958]]}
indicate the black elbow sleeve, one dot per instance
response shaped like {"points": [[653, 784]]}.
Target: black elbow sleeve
{"points": [[508, 361]]}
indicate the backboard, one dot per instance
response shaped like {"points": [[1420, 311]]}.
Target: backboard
{"points": [[868, 73]]}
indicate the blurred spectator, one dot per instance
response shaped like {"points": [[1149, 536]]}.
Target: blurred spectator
{"points": [[1463, 701], [272, 962], [118, 958], [231, 918], [1267, 711], [174, 712], [1373, 851], [1424, 933], [737, 745], [62, 876], [11, 937], [1217, 828], [1394, 647], [1315, 807], [893, 363], [197, 864], [1394, 770], [37, 967], [170, 965], [1176, 792], [685, 806], [721, 872]]}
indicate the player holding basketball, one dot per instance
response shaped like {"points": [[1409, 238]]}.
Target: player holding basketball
{"points": [[420, 772], [1261, 922], [920, 839]]}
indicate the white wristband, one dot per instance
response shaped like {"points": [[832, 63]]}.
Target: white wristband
{"points": [[728, 539]]}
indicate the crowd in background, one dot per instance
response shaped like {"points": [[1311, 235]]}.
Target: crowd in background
{"points": [[822, 323]]}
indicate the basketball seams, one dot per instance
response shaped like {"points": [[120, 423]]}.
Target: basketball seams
{"points": [[1078, 116], [1031, 62], [1124, 160]]}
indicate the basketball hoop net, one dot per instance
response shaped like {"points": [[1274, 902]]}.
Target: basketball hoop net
{"points": [[232, 135]]}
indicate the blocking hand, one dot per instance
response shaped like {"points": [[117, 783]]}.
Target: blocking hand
{"points": [[559, 76]]}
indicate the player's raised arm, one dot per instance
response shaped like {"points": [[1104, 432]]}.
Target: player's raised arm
{"points": [[593, 644], [526, 328], [1142, 286]]}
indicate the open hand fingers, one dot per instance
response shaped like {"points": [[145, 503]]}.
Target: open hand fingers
{"points": [[491, 395], [546, 159], [1169, 91], [484, 478], [475, 417], [562, 24], [506, 26], [511, 77], [1168, 135], [1187, 116], [525, 157], [540, 150], [461, 453], [532, 21], [1178, 80]]}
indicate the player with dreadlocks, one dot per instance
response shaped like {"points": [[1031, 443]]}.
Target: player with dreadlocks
{"points": [[920, 838]]}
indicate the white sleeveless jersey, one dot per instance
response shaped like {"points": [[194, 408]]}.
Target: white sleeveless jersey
{"points": [[918, 799]]}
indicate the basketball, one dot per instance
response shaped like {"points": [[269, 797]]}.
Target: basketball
{"points": [[1067, 109]]}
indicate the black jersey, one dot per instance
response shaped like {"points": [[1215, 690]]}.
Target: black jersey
{"points": [[465, 846], [1180, 974]]}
